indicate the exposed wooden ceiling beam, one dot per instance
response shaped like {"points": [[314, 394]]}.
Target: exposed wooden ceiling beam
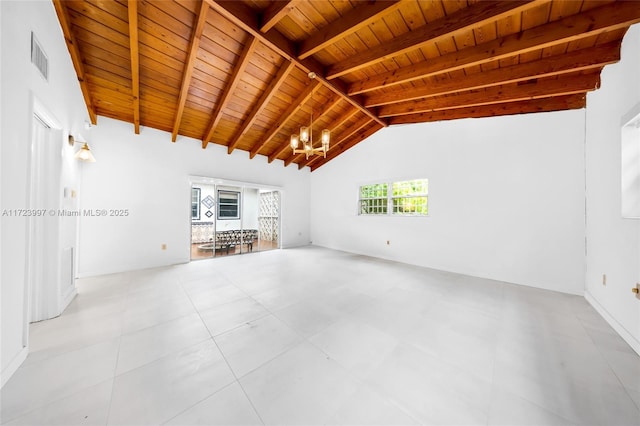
{"points": [[326, 107], [286, 116], [242, 16], [231, 85], [273, 87], [612, 16], [579, 60], [545, 88], [476, 15], [361, 16], [344, 118], [72, 46], [558, 103], [132, 10], [188, 68], [344, 136], [355, 140], [274, 13]]}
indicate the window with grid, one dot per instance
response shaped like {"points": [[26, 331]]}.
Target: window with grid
{"points": [[402, 198], [374, 199], [410, 198], [195, 203], [228, 205]]}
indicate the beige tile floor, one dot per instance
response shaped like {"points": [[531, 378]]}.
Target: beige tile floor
{"points": [[315, 336]]}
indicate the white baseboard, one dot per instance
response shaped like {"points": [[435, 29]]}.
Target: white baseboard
{"points": [[13, 366], [67, 298], [626, 336]]}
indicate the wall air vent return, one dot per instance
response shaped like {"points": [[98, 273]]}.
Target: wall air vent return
{"points": [[39, 58]]}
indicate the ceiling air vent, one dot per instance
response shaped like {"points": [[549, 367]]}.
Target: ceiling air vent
{"points": [[39, 58]]}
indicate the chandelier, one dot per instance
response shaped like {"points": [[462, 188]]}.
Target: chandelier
{"points": [[306, 137]]}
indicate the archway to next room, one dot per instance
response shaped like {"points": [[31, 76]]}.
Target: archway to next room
{"points": [[229, 217]]}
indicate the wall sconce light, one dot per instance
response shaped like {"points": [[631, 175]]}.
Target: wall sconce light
{"points": [[84, 153]]}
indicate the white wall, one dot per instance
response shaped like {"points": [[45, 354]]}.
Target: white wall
{"points": [[613, 243], [149, 176], [506, 198], [61, 95]]}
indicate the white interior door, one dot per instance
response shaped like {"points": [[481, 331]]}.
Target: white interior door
{"points": [[44, 188]]}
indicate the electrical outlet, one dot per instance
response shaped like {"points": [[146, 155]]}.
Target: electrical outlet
{"points": [[604, 279], [164, 246]]}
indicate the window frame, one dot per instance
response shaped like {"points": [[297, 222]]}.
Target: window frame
{"points": [[220, 204], [417, 195], [195, 203], [390, 198], [365, 199]]}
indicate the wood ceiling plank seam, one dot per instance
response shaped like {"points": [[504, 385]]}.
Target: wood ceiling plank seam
{"points": [[509, 25], [432, 10], [612, 16], [99, 29], [583, 59], [293, 107], [563, 9], [536, 16], [185, 12], [116, 8], [485, 33], [356, 139], [361, 16], [322, 13], [103, 72], [108, 24], [92, 11], [433, 32], [464, 39], [116, 84], [412, 15], [305, 22], [289, 28], [239, 68], [152, 41], [558, 103], [76, 58], [565, 85], [346, 117], [214, 39], [274, 13], [135, 62], [86, 42], [164, 23], [396, 26], [266, 96], [583, 42], [243, 17], [611, 36], [162, 59], [344, 136], [326, 108], [194, 45]]}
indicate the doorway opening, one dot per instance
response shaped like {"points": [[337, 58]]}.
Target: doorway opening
{"points": [[229, 218]]}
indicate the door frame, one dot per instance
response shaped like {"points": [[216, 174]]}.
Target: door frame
{"points": [[213, 181], [38, 111]]}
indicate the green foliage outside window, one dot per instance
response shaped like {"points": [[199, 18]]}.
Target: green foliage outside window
{"points": [[407, 198], [410, 197], [373, 199]]}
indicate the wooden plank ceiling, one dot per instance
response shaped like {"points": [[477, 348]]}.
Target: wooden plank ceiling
{"points": [[235, 73]]}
